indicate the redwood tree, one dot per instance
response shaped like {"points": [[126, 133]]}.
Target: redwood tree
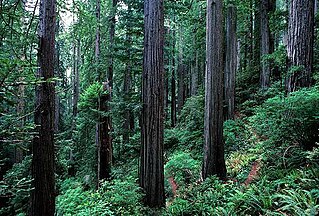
{"points": [[152, 127], [43, 195], [214, 162], [231, 61], [266, 41], [300, 43]]}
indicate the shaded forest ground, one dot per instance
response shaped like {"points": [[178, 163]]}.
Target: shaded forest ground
{"points": [[269, 173], [269, 170]]}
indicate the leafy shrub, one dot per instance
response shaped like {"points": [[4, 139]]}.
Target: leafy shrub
{"points": [[192, 114], [236, 135], [182, 167], [16, 185], [292, 119], [118, 197]]}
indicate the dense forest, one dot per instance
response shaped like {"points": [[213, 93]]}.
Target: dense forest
{"points": [[159, 107]]}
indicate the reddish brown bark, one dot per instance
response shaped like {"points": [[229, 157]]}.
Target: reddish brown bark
{"points": [[300, 44], [214, 162], [152, 121], [43, 195]]}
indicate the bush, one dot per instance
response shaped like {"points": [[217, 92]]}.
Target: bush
{"points": [[292, 119], [183, 168], [118, 197], [16, 186]]}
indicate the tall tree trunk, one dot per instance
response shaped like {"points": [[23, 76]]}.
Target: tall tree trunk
{"points": [[181, 86], [300, 44], [181, 70], [111, 43], [57, 74], [76, 79], [18, 152], [43, 195], [194, 86], [152, 127], [266, 42], [214, 162], [173, 81], [231, 61], [129, 116], [255, 40], [105, 150], [97, 39]]}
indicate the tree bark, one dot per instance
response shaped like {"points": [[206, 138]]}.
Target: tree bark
{"points": [[231, 61], [300, 44], [97, 38], [111, 43], [43, 195], [181, 86], [57, 74], [105, 148], [194, 70], [173, 82], [181, 70], [76, 79], [214, 162], [266, 42], [128, 116], [152, 122]]}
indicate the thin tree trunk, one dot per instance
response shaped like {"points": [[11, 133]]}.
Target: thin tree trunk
{"points": [[181, 86], [265, 8], [173, 81], [152, 124], [181, 74], [129, 116], [111, 43], [18, 153], [231, 61], [57, 74], [214, 162], [76, 79], [300, 44], [97, 39], [105, 150], [194, 73], [255, 40], [43, 195]]}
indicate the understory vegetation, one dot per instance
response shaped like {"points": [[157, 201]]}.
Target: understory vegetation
{"points": [[269, 173], [135, 107]]}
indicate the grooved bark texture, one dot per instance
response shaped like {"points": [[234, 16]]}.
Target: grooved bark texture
{"points": [[300, 43], [265, 43], [214, 162], [231, 61], [105, 150], [43, 195], [151, 166], [111, 44], [173, 81], [128, 124]]}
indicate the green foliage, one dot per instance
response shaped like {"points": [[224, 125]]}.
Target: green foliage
{"points": [[189, 131], [182, 167], [90, 98], [292, 119], [16, 186], [118, 197], [236, 135], [192, 114]]}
